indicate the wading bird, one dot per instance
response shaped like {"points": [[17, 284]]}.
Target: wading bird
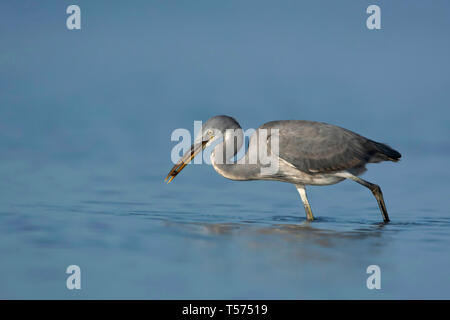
{"points": [[309, 153]]}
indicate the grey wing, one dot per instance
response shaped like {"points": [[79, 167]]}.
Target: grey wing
{"points": [[315, 147]]}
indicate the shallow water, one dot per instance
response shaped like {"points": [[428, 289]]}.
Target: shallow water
{"points": [[135, 237], [85, 125]]}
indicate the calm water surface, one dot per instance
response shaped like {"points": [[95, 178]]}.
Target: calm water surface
{"points": [[202, 237]]}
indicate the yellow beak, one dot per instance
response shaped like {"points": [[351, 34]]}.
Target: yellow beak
{"points": [[185, 159]]}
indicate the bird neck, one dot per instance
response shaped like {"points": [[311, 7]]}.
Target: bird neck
{"points": [[238, 170]]}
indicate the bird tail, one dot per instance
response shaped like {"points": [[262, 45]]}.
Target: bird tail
{"points": [[384, 153]]}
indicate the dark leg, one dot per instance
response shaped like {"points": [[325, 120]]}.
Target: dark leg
{"points": [[376, 190]]}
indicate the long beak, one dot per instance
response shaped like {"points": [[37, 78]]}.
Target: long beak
{"points": [[185, 159]]}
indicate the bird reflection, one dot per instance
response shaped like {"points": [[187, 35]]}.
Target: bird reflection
{"points": [[303, 242], [304, 230]]}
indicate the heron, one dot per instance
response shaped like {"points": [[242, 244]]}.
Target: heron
{"points": [[309, 153]]}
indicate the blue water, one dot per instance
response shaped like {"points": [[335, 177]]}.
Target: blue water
{"points": [[85, 124]]}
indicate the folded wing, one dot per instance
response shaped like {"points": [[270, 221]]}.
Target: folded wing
{"points": [[316, 147]]}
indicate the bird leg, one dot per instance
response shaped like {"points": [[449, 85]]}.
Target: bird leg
{"points": [[376, 190], [302, 191]]}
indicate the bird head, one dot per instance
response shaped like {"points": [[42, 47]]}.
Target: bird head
{"points": [[216, 128]]}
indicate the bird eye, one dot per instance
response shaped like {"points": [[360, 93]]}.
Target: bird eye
{"points": [[210, 132]]}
